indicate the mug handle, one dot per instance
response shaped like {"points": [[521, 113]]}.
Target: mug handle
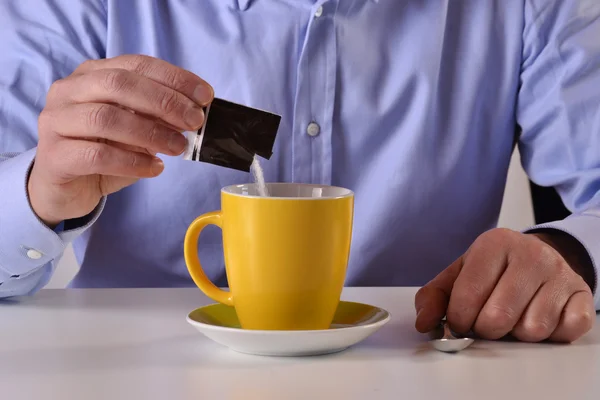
{"points": [[190, 252]]}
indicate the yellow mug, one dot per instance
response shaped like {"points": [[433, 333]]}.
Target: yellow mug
{"points": [[285, 255]]}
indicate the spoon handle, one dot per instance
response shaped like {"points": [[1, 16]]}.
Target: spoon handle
{"points": [[443, 331], [448, 334]]}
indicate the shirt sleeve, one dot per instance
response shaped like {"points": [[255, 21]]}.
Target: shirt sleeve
{"points": [[558, 111], [40, 41]]}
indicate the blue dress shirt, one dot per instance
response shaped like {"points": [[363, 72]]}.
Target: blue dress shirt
{"points": [[417, 103]]}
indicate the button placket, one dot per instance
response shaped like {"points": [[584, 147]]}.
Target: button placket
{"points": [[323, 91], [313, 111]]}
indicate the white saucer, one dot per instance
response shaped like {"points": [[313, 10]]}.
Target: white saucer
{"points": [[352, 323]]}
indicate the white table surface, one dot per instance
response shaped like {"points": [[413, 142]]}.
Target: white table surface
{"points": [[136, 344]]}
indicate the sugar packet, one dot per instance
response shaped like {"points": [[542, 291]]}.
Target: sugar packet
{"points": [[232, 135]]}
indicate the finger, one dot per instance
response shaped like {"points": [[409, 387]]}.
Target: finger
{"points": [[431, 301], [138, 148], [577, 318], [503, 309], [81, 157], [105, 121], [542, 315], [185, 82], [482, 269], [531, 263], [132, 91], [130, 148]]}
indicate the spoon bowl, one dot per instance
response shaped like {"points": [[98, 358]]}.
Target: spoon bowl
{"points": [[451, 345], [444, 340]]}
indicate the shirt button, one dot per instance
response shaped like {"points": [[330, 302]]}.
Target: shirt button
{"points": [[313, 129], [319, 12], [34, 254]]}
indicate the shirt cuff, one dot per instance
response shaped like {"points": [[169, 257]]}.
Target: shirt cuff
{"points": [[26, 243], [585, 228]]}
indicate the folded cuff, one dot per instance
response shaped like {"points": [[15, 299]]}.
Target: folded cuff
{"points": [[26, 243]]}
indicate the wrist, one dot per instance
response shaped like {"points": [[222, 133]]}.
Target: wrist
{"points": [[39, 207], [571, 250]]}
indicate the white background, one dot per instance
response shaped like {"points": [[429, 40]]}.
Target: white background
{"points": [[517, 213]]}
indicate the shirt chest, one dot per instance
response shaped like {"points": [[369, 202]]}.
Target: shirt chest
{"points": [[372, 82]]}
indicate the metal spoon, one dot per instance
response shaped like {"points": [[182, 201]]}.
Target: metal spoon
{"points": [[443, 339]]}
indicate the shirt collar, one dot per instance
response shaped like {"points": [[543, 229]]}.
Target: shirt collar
{"points": [[244, 4]]}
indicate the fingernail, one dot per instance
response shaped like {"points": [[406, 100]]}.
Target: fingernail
{"points": [[177, 143], [157, 166], [194, 117], [203, 94]]}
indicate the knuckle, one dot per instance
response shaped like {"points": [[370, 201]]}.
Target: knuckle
{"points": [[580, 322], [142, 64], [101, 117], [93, 156], [535, 330], [168, 102], [115, 80], [495, 321], [565, 277], [137, 63], [495, 238], [503, 233], [174, 78], [537, 257], [134, 161], [87, 64], [547, 260], [45, 121], [153, 136], [546, 254], [55, 91], [501, 316], [500, 234]]}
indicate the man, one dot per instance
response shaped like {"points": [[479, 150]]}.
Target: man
{"points": [[414, 105]]}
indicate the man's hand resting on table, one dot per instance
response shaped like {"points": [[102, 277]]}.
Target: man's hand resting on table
{"points": [[103, 126], [511, 283]]}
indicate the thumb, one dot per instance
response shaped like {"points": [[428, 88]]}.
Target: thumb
{"points": [[431, 301]]}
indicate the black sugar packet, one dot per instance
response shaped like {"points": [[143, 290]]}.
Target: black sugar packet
{"points": [[232, 135]]}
